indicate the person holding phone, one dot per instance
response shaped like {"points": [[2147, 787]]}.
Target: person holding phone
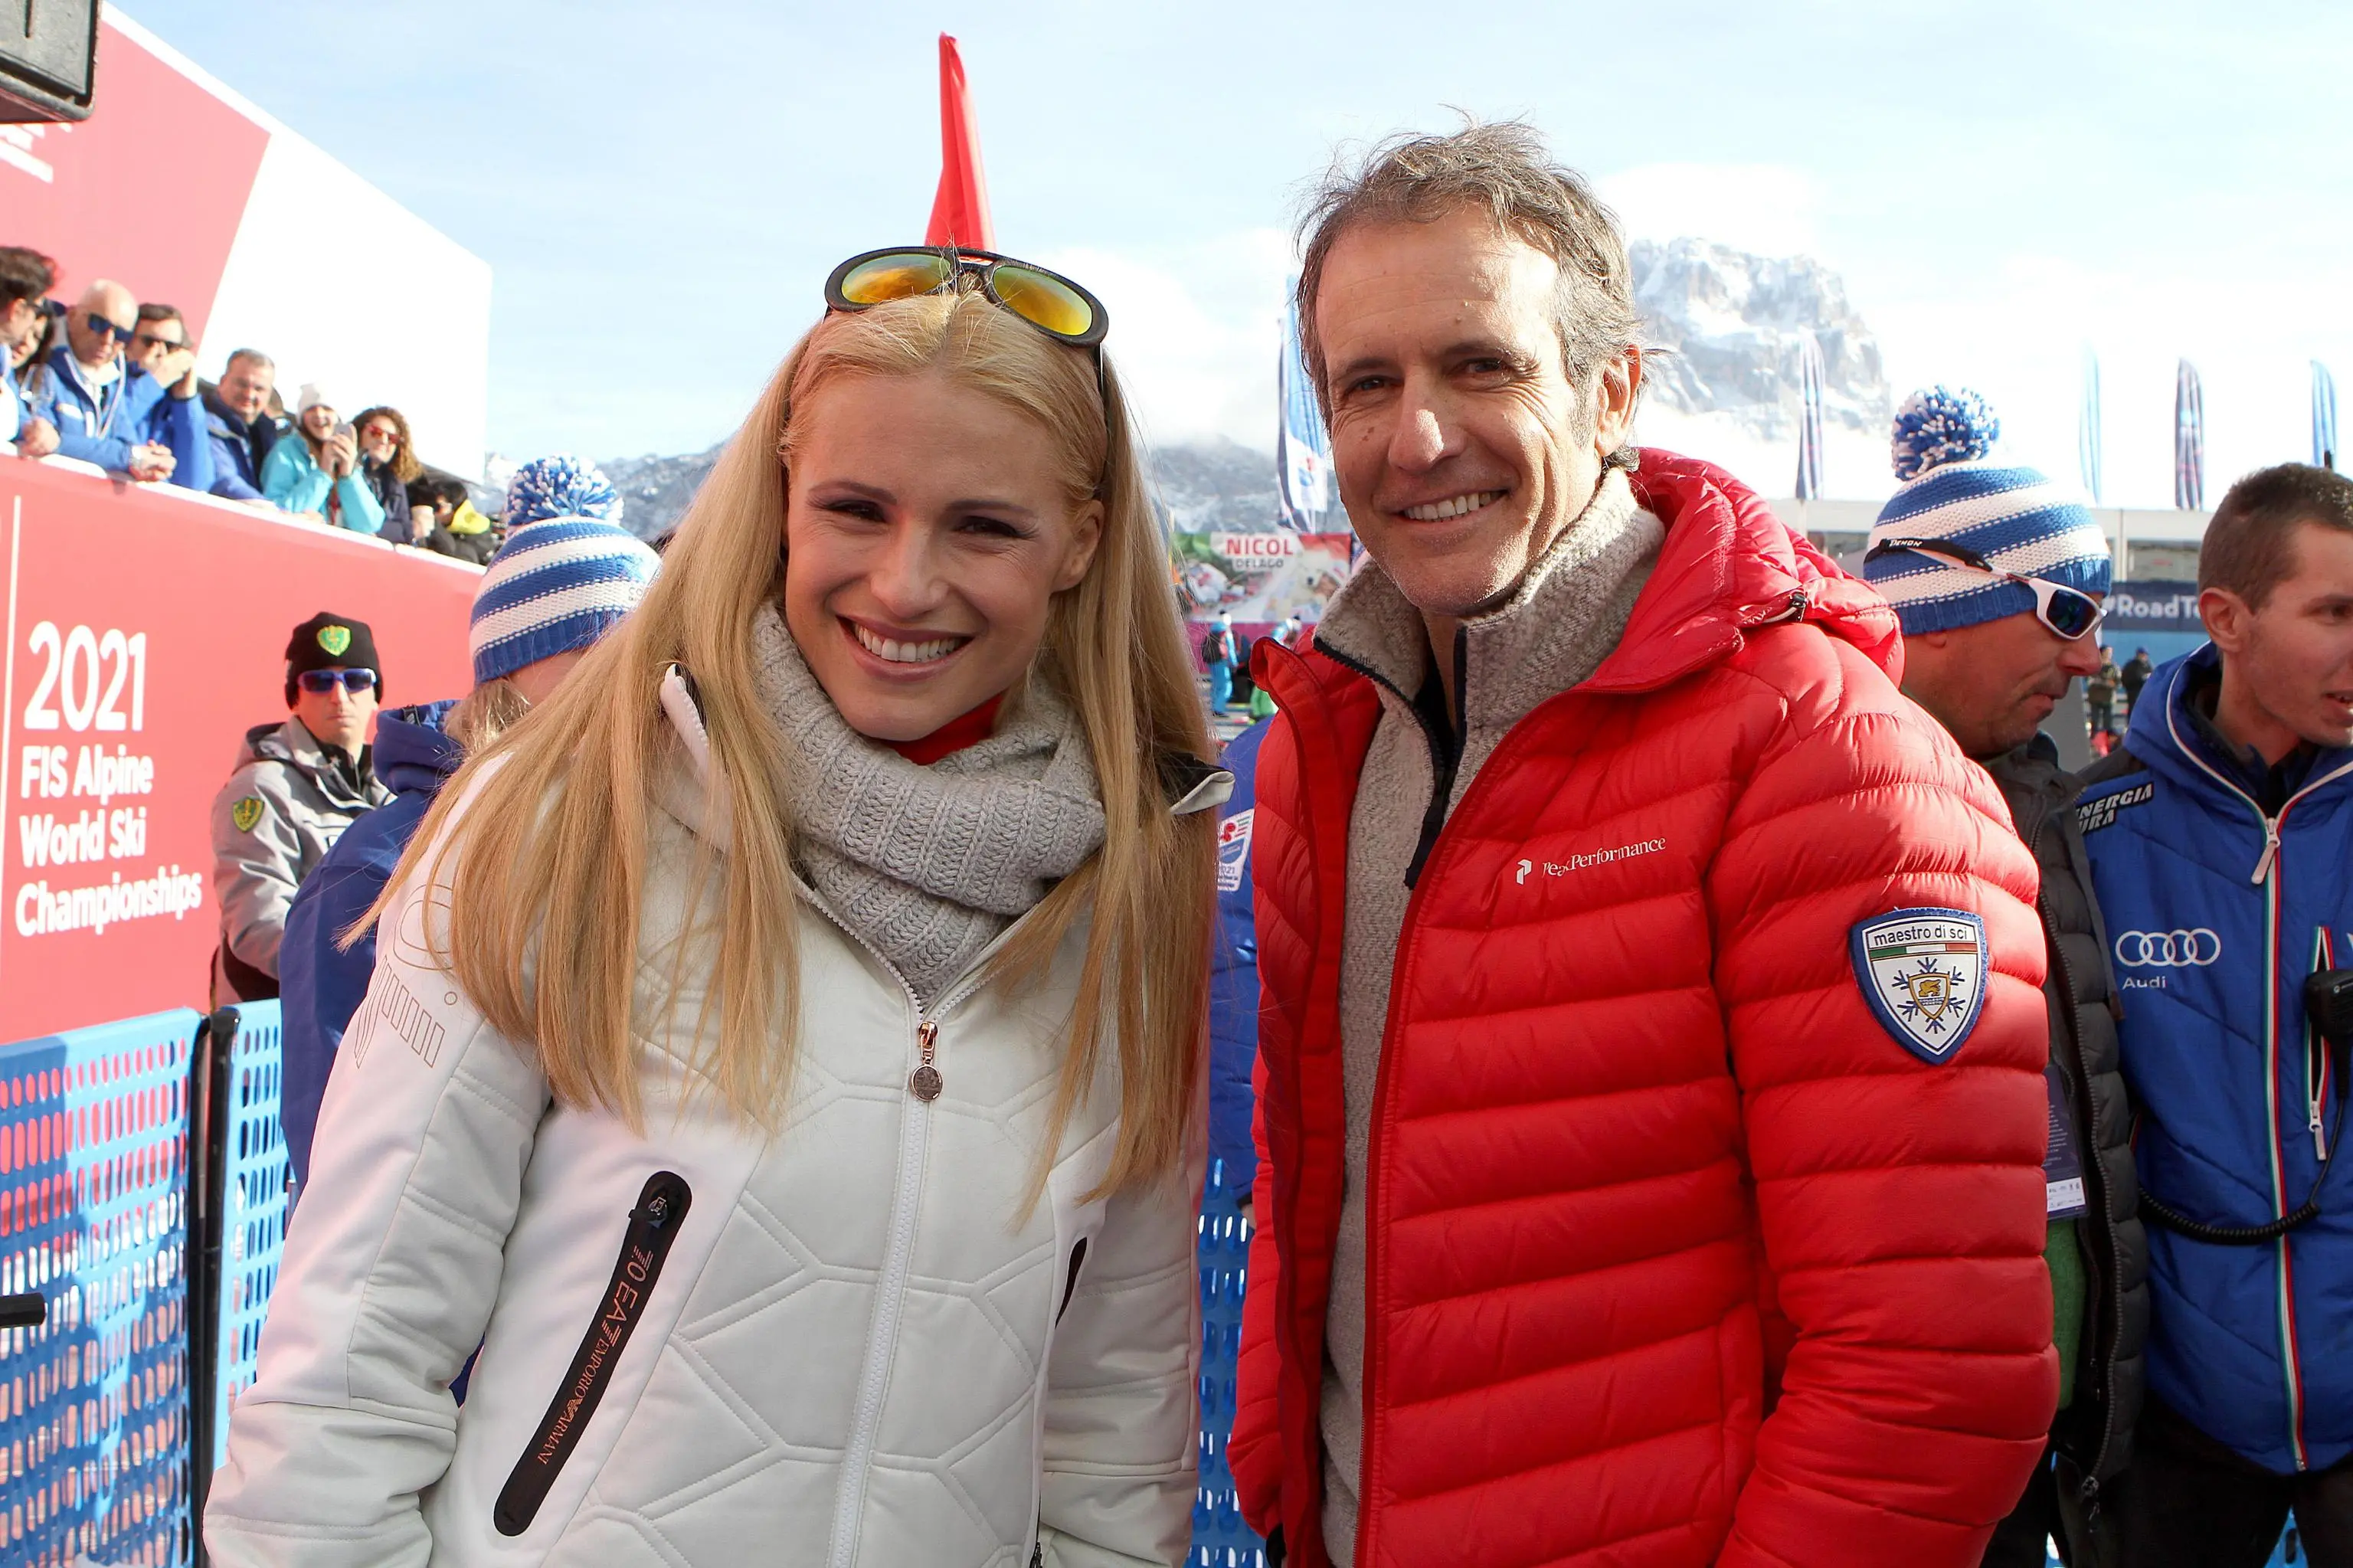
{"points": [[318, 476]]}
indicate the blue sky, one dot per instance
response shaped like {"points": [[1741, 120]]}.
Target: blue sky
{"points": [[660, 190]]}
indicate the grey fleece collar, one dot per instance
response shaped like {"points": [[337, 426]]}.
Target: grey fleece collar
{"points": [[1563, 619], [929, 865]]}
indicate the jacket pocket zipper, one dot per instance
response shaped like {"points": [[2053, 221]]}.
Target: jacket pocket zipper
{"points": [[653, 1227]]}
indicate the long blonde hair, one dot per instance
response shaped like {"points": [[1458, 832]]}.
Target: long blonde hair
{"points": [[547, 864]]}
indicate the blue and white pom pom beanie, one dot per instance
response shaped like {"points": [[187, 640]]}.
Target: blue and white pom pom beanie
{"points": [[559, 486], [2015, 517], [554, 586]]}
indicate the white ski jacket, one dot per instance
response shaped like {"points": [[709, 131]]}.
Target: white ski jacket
{"points": [[842, 1345]]}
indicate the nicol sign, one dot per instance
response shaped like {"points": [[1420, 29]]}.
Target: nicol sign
{"points": [[1255, 549]]}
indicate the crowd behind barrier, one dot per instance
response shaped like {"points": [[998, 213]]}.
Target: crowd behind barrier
{"points": [[111, 381]]}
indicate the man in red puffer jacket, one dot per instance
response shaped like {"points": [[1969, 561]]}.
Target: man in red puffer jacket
{"points": [[1651, 1074]]}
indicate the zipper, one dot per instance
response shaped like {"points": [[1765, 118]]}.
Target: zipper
{"points": [[2266, 875], [898, 1256], [654, 1225], [1496, 765], [2317, 1072], [1071, 1281]]}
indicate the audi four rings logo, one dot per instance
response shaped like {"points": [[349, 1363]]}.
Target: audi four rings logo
{"points": [[2169, 949]]}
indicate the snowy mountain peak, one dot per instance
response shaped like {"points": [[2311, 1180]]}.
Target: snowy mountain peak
{"points": [[1733, 325]]}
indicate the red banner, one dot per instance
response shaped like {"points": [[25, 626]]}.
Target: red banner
{"points": [[146, 632]]}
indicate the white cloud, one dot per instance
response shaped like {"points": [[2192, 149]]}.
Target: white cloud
{"points": [[1194, 331], [1769, 209]]}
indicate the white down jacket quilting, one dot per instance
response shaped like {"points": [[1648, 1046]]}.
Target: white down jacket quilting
{"points": [[842, 1345]]}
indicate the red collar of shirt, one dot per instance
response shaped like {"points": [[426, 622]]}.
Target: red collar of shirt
{"points": [[952, 736]]}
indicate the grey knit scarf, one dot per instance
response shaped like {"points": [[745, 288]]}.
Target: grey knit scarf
{"points": [[929, 865]]}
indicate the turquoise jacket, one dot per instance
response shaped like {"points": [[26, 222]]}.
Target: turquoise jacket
{"points": [[293, 481]]}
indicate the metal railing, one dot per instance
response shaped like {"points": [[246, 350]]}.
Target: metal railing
{"points": [[94, 1397], [239, 1174], [1220, 1539]]}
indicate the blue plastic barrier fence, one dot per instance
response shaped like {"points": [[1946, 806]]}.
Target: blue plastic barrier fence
{"points": [[251, 1185], [1220, 1539], [94, 1218]]}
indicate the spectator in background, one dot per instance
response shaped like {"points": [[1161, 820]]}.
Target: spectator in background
{"points": [[388, 466], [2218, 835], [1991, 642], [241, 424], [297, 786], [2100, 692], [2134, 675], [85, 388], [317, 475], [472, 535], [559, 586], [164, 405], [1220, 657], [25, 280], [453, 527]]}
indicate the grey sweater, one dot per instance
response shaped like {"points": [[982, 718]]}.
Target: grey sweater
{"points": [[1565, 618]]}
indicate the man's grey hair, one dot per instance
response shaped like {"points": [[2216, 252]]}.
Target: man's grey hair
{"points": [[1505, 171], [254, 357]]}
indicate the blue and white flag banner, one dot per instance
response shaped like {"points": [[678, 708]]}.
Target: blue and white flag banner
{"points": [[1810, 419], [2087, 429], [2188, 440], [2324, 416], [1303, 450]]}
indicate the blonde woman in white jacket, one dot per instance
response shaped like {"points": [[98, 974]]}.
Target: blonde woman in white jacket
{"points": [[784, 1050]]}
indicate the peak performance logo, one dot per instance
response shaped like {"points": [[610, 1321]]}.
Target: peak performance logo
{"points": [[1523, 870], [2169, 949]]}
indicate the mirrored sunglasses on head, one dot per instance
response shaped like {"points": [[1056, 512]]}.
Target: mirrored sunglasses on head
{"points": [[2069, 612], [1047, 300], [352, 681]]}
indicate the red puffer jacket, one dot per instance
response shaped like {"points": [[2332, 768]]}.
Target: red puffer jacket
{"points": [[1677, 1257]]}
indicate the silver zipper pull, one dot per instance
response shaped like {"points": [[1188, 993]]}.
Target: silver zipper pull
{"points": [[925, 1081], [2319, 1138], [2271, 851]]}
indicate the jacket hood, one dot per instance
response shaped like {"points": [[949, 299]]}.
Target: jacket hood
{"points": [[1728, 566], [413, 753]]}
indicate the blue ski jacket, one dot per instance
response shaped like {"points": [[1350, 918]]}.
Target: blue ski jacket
{"points": [[1233, 978], [2216, 914], [321, 986]]}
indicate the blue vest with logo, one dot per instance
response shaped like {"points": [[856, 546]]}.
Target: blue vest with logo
{"points": [[2216, 914]]}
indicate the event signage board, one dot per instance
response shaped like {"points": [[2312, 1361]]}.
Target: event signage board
{"points": [[1262, 576], [146, 632], [2155, 607]]}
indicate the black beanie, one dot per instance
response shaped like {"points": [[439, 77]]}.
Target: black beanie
{"points": [[329, 641]]}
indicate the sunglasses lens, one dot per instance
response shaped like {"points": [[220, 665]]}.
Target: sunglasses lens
{"points": [[2073, 614], [900, 275], [1042, 300]]}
